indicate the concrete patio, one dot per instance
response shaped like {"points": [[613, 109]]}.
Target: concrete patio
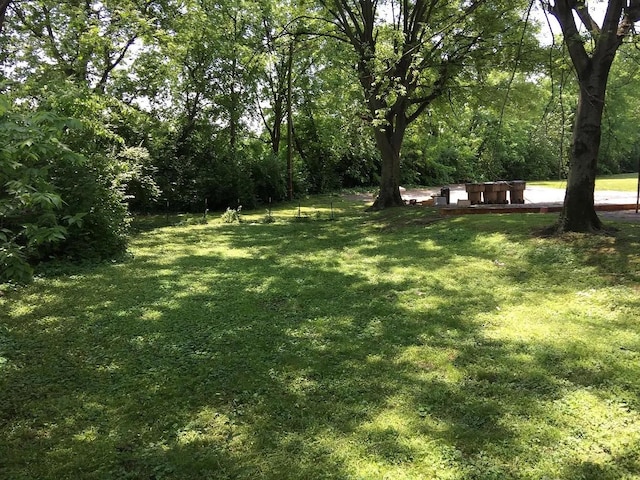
{"points": [[537, 199]]}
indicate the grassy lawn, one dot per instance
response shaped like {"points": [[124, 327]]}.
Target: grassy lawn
{"points": [[624, 182], [392, 345]]}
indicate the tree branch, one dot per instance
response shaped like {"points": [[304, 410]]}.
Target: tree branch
{"points": [[342, 23], [437, 90], [631, 16], [563, 11], [586, 19], [264, 120], [612, 16], [110, 65], [4, 5]]}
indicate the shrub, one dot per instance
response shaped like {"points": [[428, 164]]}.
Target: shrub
{"points": [[232, 215], [54, 201], [30, 204]]}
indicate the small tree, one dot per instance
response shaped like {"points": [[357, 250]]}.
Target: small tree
{"points": [[592, 55]]}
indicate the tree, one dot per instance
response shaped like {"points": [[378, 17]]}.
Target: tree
{"points": [[592, 55], [407, 55], [4, 5], [273, 79], [84, 41], [63, 172], [59, 195]]}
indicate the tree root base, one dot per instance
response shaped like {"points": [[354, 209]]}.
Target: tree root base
{"points": [[559, 228]]}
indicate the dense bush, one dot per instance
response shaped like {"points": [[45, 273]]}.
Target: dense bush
{"points": [[93, 192], [54, 201], [30, 203], [134, 174]]}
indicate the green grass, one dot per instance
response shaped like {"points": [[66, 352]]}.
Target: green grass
{"points": [[624, 182], [378, 345]]}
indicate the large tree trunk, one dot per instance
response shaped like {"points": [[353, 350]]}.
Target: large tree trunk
{"points": [[389, 146], [592, 67], [578, 213]]}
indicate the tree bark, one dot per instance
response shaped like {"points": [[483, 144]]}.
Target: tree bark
{"points": [[592, 69], [578, 213], [389, 140], [389, 195]]}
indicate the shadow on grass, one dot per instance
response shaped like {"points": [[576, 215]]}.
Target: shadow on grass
{"points": [[279, 357]]}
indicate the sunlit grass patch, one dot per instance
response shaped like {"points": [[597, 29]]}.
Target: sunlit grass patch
{"points": [[394, 344], [624, 182], [627, 182]]}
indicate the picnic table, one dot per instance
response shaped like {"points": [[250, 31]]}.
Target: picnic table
{"points": [[495, 193]]}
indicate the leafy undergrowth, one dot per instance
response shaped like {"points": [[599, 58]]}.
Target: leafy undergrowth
{"points": [[376, 345]]}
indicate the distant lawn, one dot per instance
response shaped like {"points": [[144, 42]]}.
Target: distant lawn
{"points": [[390, 345], [625, 182]]}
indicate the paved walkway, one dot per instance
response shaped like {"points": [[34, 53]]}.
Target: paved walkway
{"points": [[535, 196]]}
